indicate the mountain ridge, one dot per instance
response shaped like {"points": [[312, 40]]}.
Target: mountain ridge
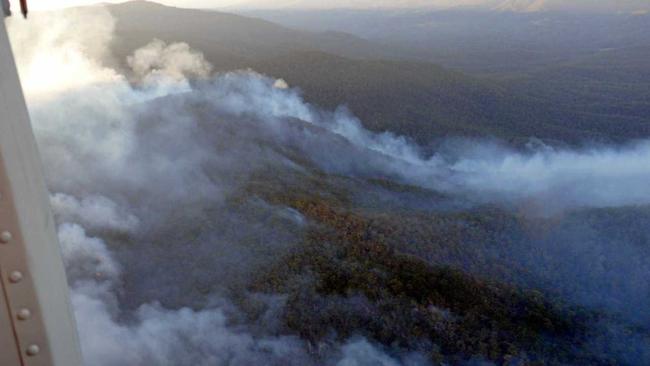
{"points": [[627, 6], [418, 99]]}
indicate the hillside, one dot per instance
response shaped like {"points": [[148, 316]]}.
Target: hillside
{"points": [[609, 91], [417, 99], [228, 219], [227, 38], [492, 5], [421, 100], [480, 41]]}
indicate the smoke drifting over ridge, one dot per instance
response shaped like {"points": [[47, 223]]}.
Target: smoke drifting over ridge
{"points": [[131, 155], [106, 179], [95, 135], [593, 177]]}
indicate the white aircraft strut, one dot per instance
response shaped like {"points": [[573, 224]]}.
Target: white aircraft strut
{"points": [[37, 327]]}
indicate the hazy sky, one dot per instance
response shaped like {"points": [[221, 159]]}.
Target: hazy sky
{"points": [[49, 4], [602, 5]]}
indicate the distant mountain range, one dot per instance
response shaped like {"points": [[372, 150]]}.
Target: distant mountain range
{"points": [[571, 5], [495, 5], [483, 41], [589, 86], [229, 38], [522, 5]]}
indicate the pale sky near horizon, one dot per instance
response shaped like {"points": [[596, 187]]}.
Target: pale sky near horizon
{"points": [[52, 4], [584, 4]]}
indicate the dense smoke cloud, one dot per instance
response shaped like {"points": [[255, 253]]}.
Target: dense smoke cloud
{"points": [[133, 161], [555, 179], [594, 177], [108, 180]]}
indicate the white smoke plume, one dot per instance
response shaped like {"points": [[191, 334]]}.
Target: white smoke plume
{"points": [[86, 258], [176, 61], [128, 155], [557, 178], [86, 118], [554, 178], [94, 212]]}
